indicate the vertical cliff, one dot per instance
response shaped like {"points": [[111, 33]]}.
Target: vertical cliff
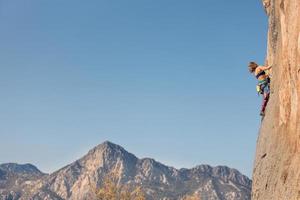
{"points": [[277, 163]]}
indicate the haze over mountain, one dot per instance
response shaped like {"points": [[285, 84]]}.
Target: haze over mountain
{"points": [[78, 180]]}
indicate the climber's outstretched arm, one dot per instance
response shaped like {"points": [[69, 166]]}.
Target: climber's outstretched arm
{"points": [[265, 67]]}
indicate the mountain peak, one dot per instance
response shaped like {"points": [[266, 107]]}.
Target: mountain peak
{"points": [[109, 151], [108, 146]]}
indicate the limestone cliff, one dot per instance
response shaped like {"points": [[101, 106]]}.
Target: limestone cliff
{"points": [[277, 163]]}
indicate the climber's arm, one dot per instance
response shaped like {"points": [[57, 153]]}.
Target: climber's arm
{"points": [[265, 67]]}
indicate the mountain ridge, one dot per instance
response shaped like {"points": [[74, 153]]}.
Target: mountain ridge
{"points": [[20, 168], [159, 181]]}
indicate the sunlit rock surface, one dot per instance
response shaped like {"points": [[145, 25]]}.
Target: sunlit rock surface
{"points": [[277, 163]]}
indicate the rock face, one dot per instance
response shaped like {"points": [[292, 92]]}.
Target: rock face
{"points": [[276, 170], [79, 180]]}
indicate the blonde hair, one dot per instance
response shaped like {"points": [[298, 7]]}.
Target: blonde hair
{"points": [[252, 66]]}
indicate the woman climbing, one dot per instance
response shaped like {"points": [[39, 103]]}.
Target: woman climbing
{"points": [[263, 86]]}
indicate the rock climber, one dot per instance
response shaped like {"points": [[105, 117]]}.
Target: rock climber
{"points": [[263, 86]]}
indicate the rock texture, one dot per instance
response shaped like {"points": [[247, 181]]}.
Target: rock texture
{"points": [[79, 180], [277, 163]]}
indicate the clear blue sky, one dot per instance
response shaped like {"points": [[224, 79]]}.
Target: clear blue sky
{"points": [[164, 79]]}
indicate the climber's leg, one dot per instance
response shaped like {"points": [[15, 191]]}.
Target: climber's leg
{"points": [[266, 95], [264, 103]]}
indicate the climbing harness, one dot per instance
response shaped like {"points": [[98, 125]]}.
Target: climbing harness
{"points": [[262, 84]]}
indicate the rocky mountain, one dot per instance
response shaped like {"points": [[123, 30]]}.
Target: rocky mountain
{"points": [[79, 180], [276, 172], [14, 168], [14, 178]]}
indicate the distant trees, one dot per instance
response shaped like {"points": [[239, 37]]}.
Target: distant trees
{"points": [[111, 190], [192, 197]]}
